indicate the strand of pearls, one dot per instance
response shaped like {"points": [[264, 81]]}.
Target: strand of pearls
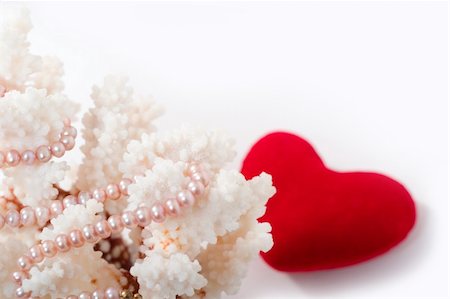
{"points": [[43, 153], [115, 224], [28, 216]]}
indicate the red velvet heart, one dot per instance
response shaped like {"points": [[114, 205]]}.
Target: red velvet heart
{"points": [[321, 218]]}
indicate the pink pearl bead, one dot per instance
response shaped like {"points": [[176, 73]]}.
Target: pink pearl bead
{"points": [[49, 248], [85, 295], [98, 294], [35, 253], [56, 208], [68, 142], [58, 149], [172, 207], [13, 218], [195, 176], [103, 229], [129, 219], [76, 238], [116, 224], [42, 215], [20, 293], [193, 169], [200, 178], [83, 197], [18, 277], [28, 157], [99, 195], [123, 186], [24, 263], [195, 188], [89, 233], [112, 191], [143, 216], [12, 158], [27, 216], [62, 243], [112, 293], [2, 221], [185, 198], [43, 154], [2, 159], [158, 213], [69, 200], [69, 131]]}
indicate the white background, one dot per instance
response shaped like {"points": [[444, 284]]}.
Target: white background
{"points": [[366, 83]]}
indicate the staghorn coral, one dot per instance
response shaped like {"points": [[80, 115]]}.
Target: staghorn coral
{"points": [[19, 69], [117, 118], [198, 228]]}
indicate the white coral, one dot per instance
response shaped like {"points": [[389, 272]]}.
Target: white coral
{"points": [[35, 186], [33, 118], [75, 271], [163, 180], [28, 120], [168, 276], [210, 148], [19, 68], [225, 263], [13, 243], [117, 118], [206, 229], [203, 252]]}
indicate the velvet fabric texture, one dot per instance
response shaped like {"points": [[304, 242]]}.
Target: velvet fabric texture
{"points": [[321, 218]]}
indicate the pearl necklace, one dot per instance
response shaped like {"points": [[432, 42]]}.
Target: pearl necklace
{"points": [[28, 216], [115, 224], [43, 153]]}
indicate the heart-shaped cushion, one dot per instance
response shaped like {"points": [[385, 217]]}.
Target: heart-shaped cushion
{"points": [[323, 219]]}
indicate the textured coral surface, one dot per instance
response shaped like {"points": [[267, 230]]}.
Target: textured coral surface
{"points": [[201, 253]]}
